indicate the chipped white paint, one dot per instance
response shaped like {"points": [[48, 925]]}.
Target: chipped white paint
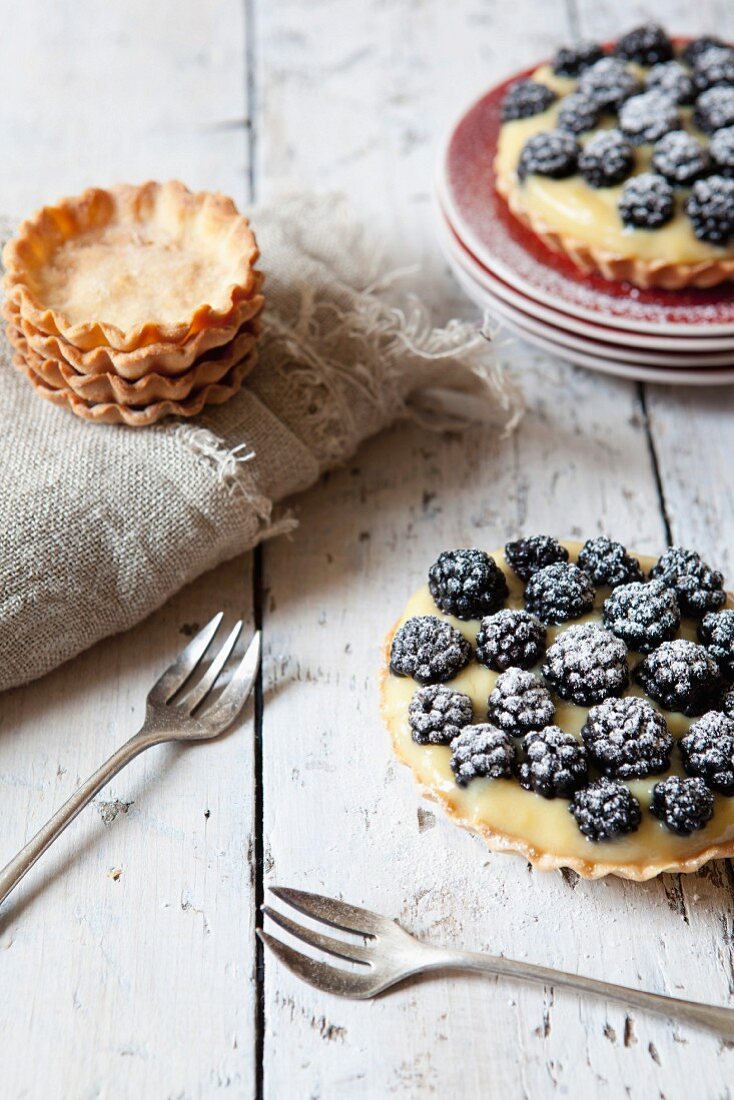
{"points": [[126, 958]]}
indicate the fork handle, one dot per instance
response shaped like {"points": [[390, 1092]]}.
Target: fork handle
{"points": [[693, 1012], [11, 874]]}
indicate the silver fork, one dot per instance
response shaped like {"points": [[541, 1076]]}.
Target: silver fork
{"points": [[166, 719], [389, 954]]}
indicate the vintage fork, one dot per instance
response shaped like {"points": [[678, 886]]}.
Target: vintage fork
{"points": [[167, 718], [389, 954]]}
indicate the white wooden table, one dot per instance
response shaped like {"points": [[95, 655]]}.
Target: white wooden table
{"points": [[128, 966]]}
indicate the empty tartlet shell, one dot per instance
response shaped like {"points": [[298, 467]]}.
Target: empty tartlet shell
{"points": [[214, 216], [163, 359], [541, 859], [110, 388], [639, 272], [141, 417]]}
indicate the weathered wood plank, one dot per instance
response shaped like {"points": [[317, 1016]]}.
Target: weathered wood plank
{"points": [[127, 955]]}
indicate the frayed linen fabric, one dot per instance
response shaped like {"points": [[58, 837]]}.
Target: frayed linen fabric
{"points": [[100, 524]]}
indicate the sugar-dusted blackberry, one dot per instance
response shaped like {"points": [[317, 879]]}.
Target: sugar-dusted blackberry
{"points": [[527, 556], [627, 738], [680, 157], [707, 751], [715, 109], [672, 78], [428, 649], [437, 714], [586, 665], [642, 614], [482, 752], [605, 809], [721, 149], [647, 45], [646, 202], [559, 592], [713, 67], [572, 60], [510, 638], [608, 83], [726, 703], [683, 805], [716, 631], [555, 763], [645, 118], [698, 46], [577, 114], [710, 206], [467, 583], [606, 159], [520, 703], [552, 153], [681, 676], [608, 563], [526, 98], [698, 587]]}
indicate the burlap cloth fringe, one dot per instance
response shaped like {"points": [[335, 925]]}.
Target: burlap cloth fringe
{"points": [[99, 525]]}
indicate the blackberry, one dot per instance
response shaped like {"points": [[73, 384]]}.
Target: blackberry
{"points": [[699, 46], [555, 765], [726, 703], [627, 738], [577, 113], [647, 45], [559, 592], [526, 98], [527, 556], [510, 638], [520, 703], [551, 153], [586, 665], [645, 118], [698, 588], [571, 60], [716, 631], [608, 83], [642, 615], [437, 714], [680, 157], [683, 805], [482, 751], [608, 563], [680, 675], [722, 151], [673, 79], [710, 206], [715, 109], [708, 751], [605, 809], [646, 201], [467, 583], [606, 159], [428, 649], [713, 67]]}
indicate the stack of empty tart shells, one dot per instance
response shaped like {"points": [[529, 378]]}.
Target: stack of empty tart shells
{"points": [[132, 304]]}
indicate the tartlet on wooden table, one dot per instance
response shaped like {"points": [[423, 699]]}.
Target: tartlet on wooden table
{"points": [[133, 303], [504, 804]]}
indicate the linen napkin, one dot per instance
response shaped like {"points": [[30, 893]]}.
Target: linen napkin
{"points": [[100, 524]]}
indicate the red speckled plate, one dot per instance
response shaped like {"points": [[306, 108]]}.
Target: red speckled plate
{"points": [[506, 248]]}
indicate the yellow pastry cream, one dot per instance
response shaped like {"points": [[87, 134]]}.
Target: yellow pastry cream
{"points": [[511, 818], [575, 211]]}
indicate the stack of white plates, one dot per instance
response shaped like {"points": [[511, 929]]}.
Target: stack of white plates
{"points": [[652, 335]]}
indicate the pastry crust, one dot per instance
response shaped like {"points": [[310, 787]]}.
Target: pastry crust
{"points": [[167, 359], [631, 269], [140, 417], [193, 255], [110, 388]]}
